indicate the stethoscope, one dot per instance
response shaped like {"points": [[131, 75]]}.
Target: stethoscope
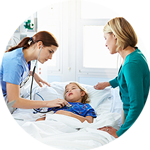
{"points": [[33, 72], [39, 110]]}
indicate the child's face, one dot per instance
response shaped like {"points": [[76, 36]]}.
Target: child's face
{"points": [[73, 93]]}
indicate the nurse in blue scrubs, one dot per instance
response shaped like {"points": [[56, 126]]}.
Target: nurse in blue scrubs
{"points": [[15, 68], [133, 77]]}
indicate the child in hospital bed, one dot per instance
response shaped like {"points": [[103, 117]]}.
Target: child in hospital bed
{"points": [[78, 99]]}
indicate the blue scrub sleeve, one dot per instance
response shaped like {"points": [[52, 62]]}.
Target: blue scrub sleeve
{"points": [[12, 72]]}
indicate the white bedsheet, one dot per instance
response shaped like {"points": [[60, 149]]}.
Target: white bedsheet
{"points": [[69, 133], [65, 132]]}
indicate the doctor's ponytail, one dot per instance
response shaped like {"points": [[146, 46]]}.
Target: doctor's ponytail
{"points": [[46, 37], [23, 43]]}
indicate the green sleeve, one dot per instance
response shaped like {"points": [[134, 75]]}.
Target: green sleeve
{"points": [[134, 80], [114, 82]]}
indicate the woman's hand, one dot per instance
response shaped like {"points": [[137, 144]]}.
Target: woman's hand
{"points": [[39, 80], [56, 103], [101, 85], [112, 131]]}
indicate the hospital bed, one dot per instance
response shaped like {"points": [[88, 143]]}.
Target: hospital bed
{"points": [[64, 132]]}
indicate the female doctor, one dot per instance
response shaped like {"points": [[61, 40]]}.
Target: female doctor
{"points": [[133, 77], [15, 68]]}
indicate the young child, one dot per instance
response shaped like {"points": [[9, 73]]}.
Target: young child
{"points": [[78, 99]]}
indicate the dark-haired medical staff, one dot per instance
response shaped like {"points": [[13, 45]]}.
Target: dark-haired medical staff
{"points": [[15, 68]]}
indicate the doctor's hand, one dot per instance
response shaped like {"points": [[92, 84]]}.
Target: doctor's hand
{"points": [[101, 85], [39, 80], [56, 103]]}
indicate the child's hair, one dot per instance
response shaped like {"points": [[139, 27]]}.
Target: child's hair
{"points": [[85, 98]]}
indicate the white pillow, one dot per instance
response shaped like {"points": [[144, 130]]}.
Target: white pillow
{"points": [[45, 93], [96, 96], [59, 87]]}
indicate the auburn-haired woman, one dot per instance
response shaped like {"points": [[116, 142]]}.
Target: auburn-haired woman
{"points": [[15, 68]]}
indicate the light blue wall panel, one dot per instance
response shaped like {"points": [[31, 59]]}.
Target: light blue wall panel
{"points": [[53, 79], [92, 80]]}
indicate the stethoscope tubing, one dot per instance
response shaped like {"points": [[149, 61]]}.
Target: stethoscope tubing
{"points": [[33, 72]]}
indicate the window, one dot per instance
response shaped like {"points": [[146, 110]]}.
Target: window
{"points": [[94, 59], [95, 54], [78, 27]]}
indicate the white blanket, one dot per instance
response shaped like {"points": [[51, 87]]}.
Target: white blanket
{"points": [[69, 133], [65, 132]]}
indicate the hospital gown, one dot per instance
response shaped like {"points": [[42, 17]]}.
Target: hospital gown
{"points": [[78, 109]]}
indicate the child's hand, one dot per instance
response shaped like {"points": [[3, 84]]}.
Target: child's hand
{"points": [[63, 112], [41, 119]]}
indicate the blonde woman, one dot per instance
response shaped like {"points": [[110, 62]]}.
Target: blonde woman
{"points": [[133, 77]]}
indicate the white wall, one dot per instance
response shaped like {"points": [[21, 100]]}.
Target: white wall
{"points": [[65, 21]]}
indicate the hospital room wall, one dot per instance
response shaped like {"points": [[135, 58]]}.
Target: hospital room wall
{"points": [[69, 63], [140, 22], [68, 59], [64, 25]]}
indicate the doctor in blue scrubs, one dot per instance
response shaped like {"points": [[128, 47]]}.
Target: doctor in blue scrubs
{"points": [[133, 77], [15, 68]]}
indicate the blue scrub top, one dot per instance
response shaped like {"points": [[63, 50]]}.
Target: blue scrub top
{"points": [[14, 68]]}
